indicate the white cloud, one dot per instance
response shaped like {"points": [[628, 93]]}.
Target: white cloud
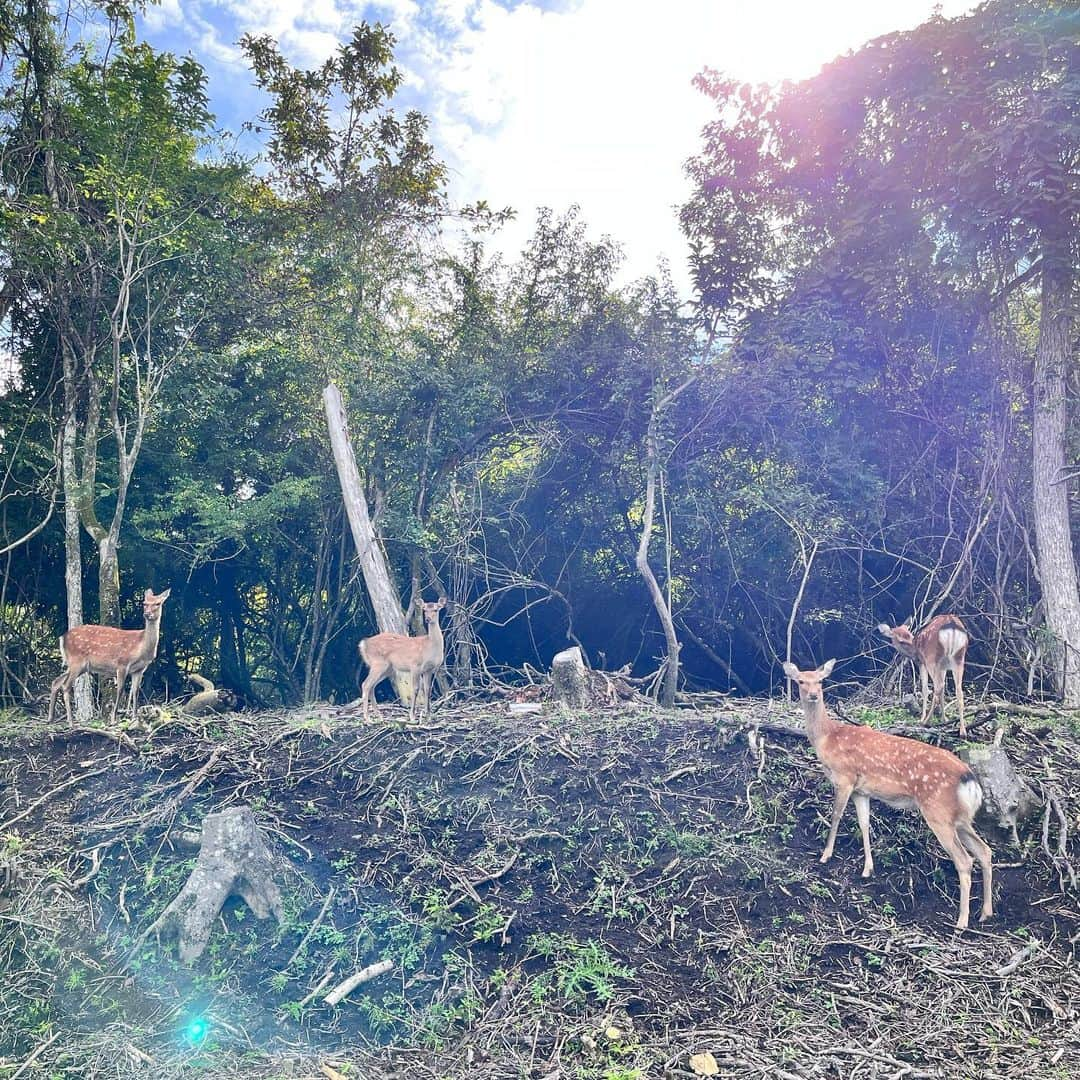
{"points": [[591, 104], [595, 105], [164, 13]]}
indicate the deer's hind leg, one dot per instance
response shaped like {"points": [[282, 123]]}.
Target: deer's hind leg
{"points": [[121, 675], [64, 684], [55, 687], [947, 833], [376, 673], [957, 668], [862, 811], [978, 847]]}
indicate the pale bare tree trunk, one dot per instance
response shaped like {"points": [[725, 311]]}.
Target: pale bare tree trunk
{"points": [[663, 609], [385, 600], [39, 51], [1053, 538], [84, 705]]}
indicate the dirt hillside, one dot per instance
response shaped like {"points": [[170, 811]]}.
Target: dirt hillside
{"points": [[611, 895]]}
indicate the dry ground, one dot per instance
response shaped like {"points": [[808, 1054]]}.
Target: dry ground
{"points": [[593, 896]]}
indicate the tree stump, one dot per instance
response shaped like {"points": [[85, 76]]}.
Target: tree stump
{"points": [[1007, 798], [233, 859], [9, 880], [569, 679]]}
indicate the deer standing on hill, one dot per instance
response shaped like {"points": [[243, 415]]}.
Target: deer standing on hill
{"points": [[420, 657], [105, 650], [937, 648], [904, 773]]}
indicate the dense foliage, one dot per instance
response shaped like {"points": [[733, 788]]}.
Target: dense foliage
{"points": [[842, 430]]}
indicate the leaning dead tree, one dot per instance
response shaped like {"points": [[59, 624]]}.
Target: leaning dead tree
{"points": [[233, 860], [385, 600]]}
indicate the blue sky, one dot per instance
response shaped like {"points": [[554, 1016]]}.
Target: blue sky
{"points": [[549, 102]]}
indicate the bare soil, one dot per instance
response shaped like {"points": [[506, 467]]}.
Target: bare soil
{"points": [[591, 895]]}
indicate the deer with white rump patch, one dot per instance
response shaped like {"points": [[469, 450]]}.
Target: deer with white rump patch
{"points": [[862, 763], [419, 657], [105, 650], [939, 647]]}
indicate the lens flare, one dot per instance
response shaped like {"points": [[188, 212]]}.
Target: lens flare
{"points": [[197, 1030]]}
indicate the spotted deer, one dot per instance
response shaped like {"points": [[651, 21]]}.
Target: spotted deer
{"points": [[904, 773], [420, 657], [105, 650], [939, 647]]}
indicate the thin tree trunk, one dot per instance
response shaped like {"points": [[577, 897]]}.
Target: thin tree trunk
{"points": [[663, 610], [42, 57], [1053, 539], [671, 669], [385, 600], [84, 705]]}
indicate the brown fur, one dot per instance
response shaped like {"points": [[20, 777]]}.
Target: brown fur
{"points": [[105, 650], [938, 648], [906, 774], [420, 656]]}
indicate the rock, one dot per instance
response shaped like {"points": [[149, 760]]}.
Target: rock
{"points": [[704, 1064], [569, 679], [1007, 798]]}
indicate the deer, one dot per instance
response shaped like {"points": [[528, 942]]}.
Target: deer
{"points": [[937, 648], [420, 657], [865, 764], [106, 650]]}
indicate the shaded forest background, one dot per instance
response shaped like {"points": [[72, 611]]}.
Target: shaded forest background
{"points": [[867, 413]]}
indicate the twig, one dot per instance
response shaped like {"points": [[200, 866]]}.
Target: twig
{"points": [[1018, 958], [372, 971], [34, 1056], [49, 794], [311, 929]]}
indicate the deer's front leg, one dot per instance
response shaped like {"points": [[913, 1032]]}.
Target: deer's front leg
{"points": [[133, 693], [843, 793], [121, 674], [924, 678]]}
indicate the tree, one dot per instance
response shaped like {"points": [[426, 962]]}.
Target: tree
{"points": [[961, 138], [118, 225]]}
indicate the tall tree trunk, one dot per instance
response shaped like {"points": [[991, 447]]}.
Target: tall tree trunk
{"points": [[231, 653], [663, 610], [385, 600], [84, 705], [109, 581], [1053, 537], [43, 58]]}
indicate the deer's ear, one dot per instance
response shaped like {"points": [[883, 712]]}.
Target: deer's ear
{"points": [[442, 602], [826, 668], [886, 629], [164, 595], [790, 670]]}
